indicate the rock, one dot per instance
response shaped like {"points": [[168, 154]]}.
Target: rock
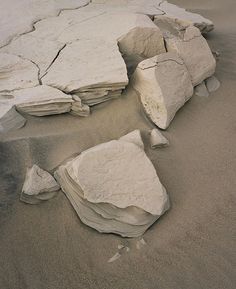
{"points": [[201, 90], [41, 100], [40, 51], [16, 73], [133, 137], [195, 52], [99, 73], [114, 258], [157, 139], [114, 188], [78, 108], [39, 186], [212, 83], [164, 85], [18, 17], [171, 10], [9, 118]]}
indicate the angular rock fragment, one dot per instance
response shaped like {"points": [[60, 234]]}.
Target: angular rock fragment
{"points": [[192, 47], [79, 108], [16, 73], [201, 90], [171, 10], [41, 100], [92, 69], [39, 186], [9, 118], [40, 51], [133, 137], [212, 83], [164, 85], [114, 188], [157, 139]]}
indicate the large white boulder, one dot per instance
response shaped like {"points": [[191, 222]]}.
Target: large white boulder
{"points": [[164, 85], [114, 187]]}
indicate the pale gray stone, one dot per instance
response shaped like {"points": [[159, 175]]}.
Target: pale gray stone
{"points": [[157, 139], [212, 83], [164, 85], [201, 90]]}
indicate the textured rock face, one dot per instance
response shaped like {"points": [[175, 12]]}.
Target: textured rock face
{"points": [[92, 78], [17, 17], [10, 118], [40, 100], [16, 73], [114, 187], [194, 50], [39, 186], [164, 85], [40, 51]]}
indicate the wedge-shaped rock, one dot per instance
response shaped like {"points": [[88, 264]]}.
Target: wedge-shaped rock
{"points": [[171, 10], [114, 187], [195, 52], [164, 85], [16, 73], [40, 51], [39, 186], [92, 69], [9, 118], [157, 139], [41, 100]]}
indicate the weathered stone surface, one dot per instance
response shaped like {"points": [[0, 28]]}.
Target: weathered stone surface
{"points": [[79, 108], [16, 73], [194, 50], [164, 85], [157, 139], [91, 69], [39, 186], [40, 51], [17, 17], [114, 188], [9, 118], [171, 10], [212, 83], [133, 137], [40, 100]]}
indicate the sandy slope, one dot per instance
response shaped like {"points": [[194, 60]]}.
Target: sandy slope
{"points": [[192, 246]]}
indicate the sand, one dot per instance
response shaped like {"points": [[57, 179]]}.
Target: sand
{"points": [[191, 246]]}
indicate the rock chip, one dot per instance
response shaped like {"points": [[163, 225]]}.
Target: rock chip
{"points": [[164, 85], [201, 90], [212, 83], [157, 139], [39, 186], [114, 188], [9, 118]]}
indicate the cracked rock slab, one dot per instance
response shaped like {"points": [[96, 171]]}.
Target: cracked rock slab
{"points": [[16, 73], [40, 51], [92, 69], [9, 118], [114, 188], [39, 186], [164, 85]]}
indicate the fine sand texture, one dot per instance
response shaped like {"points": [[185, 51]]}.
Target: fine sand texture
{"points": [[192, 246]]}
